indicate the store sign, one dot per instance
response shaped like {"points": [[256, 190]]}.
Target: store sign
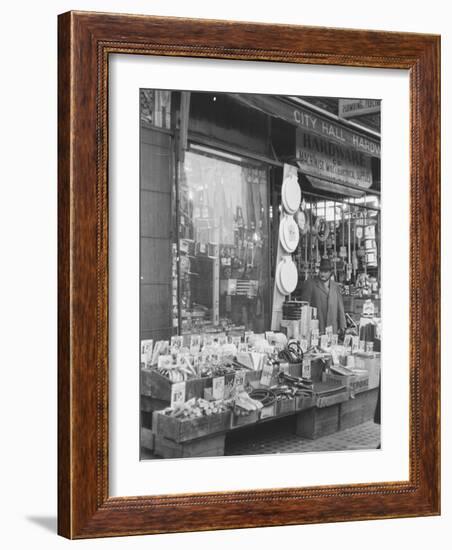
{"points": [[313, 122], [349, 108], [326, 159]]}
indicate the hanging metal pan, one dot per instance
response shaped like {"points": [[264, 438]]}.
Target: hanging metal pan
{"points": [[286, 276], [289, 235], [291, 194]]}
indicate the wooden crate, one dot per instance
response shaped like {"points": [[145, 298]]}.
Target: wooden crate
{"points": [[313, 423], [324, 401], [154, 384], [295, 369], [285, 406], [237, 420], [208, 446], [180, 430], [147, 439], [302, 402], [358, 410]]}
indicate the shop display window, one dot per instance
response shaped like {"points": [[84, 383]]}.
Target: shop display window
{"points": [[221, 254]]}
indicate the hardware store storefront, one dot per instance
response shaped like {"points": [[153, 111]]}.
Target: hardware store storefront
{"points": [[225, 178]]}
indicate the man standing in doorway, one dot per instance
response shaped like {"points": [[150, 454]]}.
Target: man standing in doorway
{"points": [[324, 294]]}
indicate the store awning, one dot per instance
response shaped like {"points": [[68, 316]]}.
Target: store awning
{"points": [[312, 121]]}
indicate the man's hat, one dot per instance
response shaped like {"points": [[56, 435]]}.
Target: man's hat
{"points": [[325, 265]]}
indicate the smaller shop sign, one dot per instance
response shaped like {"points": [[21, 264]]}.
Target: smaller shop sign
{"points": [[349, 108]]}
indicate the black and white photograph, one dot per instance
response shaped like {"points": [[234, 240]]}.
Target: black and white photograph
{"points": [[260, 274]]}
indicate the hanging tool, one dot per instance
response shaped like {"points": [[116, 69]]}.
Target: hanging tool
{"points": [[306, 254], [317, 255], [342, 249], [349, 257], [354, 256], [365, 225]]}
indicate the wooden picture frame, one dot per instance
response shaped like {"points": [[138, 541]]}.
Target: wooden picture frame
{"points": [[85, 42]]}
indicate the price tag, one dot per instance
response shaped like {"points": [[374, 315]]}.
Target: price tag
{"points": [[329, 334], [176, 343], [266, 376], [160, 348], [146, 351], [177, 394], [195, 341], [239, 379], [304, 345], [314, 338], [218, 388], [306, 369]]}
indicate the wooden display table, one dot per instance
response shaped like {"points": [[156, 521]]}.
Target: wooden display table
{"points": [[316, 416]]}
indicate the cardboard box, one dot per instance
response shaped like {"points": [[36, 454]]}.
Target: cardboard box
{"points": [[356, 383], [359, 410], [370, 363]]}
